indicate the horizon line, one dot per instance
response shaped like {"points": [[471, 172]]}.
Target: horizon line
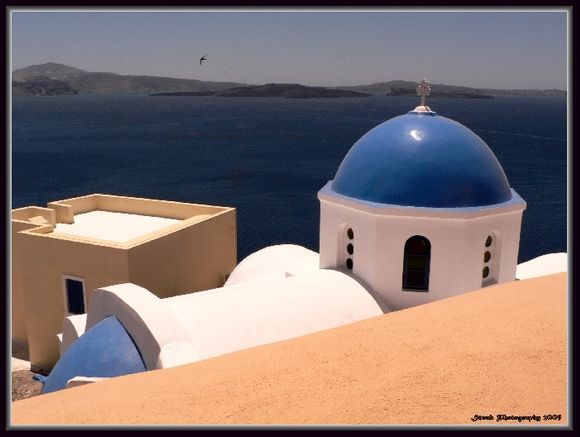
{"points": [[280, 83]]}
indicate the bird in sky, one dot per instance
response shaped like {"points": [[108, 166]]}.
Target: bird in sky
{"points": [[203, 58]]}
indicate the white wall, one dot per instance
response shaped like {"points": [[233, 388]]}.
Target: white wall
{"points": [[457, 245], [335, 219]]}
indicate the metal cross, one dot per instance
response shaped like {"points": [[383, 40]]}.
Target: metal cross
{"points": [[423, 90]]}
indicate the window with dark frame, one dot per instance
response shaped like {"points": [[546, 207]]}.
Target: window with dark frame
{"points": [[416, 262], [75, 296]]}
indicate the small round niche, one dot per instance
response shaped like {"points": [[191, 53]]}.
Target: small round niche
{"points": [[485, 272]]}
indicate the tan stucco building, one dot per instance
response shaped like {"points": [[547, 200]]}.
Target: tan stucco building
{"points": [[63, 252]]}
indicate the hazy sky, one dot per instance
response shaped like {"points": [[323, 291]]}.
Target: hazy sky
{"points": [[481, 49]]}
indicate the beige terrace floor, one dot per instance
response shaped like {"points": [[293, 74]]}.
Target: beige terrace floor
{"points": [[113, 226]]}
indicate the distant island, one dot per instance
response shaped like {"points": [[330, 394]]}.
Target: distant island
{"points": [[407, 88], [42, 86], [288, 91], [438, 92], [52, 79]]}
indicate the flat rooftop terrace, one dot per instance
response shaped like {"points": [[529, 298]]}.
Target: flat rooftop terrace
{"points": [[113, 219], [113, 226]]}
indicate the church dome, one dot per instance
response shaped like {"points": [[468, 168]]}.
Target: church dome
{"points": [[422, 159]]}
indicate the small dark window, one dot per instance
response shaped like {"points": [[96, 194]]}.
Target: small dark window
{"points": [[350, 249], [486, 256], [416, 263], [488, 241], [415, 280], [350, 233], [75, 296], [349, 263], [485, 272]]}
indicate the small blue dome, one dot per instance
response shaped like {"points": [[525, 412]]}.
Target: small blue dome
{"points": [[422, 159], [105, 350]]}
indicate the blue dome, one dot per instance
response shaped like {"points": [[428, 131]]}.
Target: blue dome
{"points": [[105, 350], [422, 159]]}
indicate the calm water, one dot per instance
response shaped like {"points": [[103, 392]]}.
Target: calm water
{"points": [[266, 157]]}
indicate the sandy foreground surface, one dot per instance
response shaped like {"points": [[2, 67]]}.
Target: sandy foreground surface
{"points": [[500, 350]]}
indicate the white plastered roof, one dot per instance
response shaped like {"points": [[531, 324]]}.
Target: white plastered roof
{"points": [[543, 265], [274, 262], [265, 307], [228, 319]]}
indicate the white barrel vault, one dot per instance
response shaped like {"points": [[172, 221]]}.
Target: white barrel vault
{"points": [[157, 333], [225, 320], [274, 262], [187, 328], [72, 328]]}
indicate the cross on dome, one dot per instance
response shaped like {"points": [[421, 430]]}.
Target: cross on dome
{"points": [[423, 90]]}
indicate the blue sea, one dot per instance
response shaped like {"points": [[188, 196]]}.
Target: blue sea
{"points": [[267, 157]]}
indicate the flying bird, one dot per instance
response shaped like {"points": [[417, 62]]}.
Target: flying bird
{"points": [[203, 58]]}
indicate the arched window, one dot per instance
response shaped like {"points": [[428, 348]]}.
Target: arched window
{"points": [[416, 264]]}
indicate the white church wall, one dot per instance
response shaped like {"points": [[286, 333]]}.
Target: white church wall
{"points": [[508, 226], [335, 221], [451, 262], [457, 255], [457, 238]]}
